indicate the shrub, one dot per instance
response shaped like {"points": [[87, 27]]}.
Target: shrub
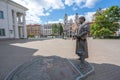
{"points": [[30, 36]]}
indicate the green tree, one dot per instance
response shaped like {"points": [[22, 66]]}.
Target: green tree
{"points": [[54, 29], [60, 28], [57, 29], [105, 22]]}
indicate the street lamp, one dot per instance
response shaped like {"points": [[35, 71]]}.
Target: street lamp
{"points": [[119, 27]]}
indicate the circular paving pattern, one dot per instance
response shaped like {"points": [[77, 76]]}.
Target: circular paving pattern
{"points": [[51, 68]]}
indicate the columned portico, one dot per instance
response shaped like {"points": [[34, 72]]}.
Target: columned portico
{"points": [[24, 26], [16, 34], [13, 24], [19, 25]]}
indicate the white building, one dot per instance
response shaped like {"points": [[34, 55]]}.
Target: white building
{"points": [[47, 29], [12, 20]]}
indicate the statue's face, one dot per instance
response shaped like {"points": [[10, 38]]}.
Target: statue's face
{"points": [[81, 20]]}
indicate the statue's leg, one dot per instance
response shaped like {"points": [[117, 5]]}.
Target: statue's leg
{"points": [[82, 58], [84, 53], [77, 46], [86, 49], [81, 51]]}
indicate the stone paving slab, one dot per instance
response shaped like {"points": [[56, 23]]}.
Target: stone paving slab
{"points": [[48, 68]]}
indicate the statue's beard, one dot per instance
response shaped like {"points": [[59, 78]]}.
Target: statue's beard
{"points": [[81, 22]]}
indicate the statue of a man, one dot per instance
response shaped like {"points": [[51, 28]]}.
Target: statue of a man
{"points": [[81, 43]]}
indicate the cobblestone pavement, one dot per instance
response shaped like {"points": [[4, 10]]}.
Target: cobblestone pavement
{"points": [[104, 55]]}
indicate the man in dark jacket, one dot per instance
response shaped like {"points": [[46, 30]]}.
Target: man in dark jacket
{"points": [[81, 41]]}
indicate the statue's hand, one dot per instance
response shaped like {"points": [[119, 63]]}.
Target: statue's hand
{"points": [[77, 36]]}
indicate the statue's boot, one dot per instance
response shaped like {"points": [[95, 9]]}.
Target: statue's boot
{"points": [[82, 56]]}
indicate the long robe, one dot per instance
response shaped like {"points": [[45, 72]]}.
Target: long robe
{"points": [[81, 41]]}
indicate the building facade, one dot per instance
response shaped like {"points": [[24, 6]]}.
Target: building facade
{"points": [[47, 29], [12, 20], [68, 26], [34, 30]]}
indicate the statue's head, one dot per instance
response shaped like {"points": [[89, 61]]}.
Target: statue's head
{"points": [[76, 13], [65, 14], [81, 19]]}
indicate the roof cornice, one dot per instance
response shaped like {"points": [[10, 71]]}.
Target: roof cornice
{"points": [[15, 4]]}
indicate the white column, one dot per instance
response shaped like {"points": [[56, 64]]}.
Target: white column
{"points": [[16, 25], [19, 18], [24, 26]]}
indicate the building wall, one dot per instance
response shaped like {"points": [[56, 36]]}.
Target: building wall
{"points": [[47, 29], [11, 28], [4, 21], [34, 30]]}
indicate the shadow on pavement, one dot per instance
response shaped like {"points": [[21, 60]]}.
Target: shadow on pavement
{"points": [[45, 68], [105, 71], [11, 56]]}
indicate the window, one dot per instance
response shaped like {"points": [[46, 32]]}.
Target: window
{"points": [[2, 32], [1, 14]]}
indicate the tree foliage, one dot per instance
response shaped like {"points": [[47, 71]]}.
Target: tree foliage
{"points": [[54, 29], [57, 29], [106, 22], [60, 28]]}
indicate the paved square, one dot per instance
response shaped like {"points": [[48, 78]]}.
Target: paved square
{"points": [[103, 54]]}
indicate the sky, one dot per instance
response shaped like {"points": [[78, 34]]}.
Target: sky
{"points": [[53, 11]]}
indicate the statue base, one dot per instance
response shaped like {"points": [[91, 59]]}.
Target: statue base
{"points": [[51, 68]]}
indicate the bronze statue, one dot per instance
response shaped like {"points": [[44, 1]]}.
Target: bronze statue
{"points": [[81, 39]]}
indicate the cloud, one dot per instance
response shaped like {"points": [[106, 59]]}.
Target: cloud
{"points": [[39, 8], [62, 20], [90, 3], [89, 16], [74, 8], [69, 2], [58, 21], [72, 17], [81, 3]]}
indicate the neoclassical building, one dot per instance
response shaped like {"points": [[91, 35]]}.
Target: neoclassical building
{"points": [[47, 29], [12, 20]]}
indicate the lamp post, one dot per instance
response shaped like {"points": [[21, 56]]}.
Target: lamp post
{"points": [[77, 22], [119, 27]]}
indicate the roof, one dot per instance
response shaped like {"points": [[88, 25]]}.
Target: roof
{"points": [[15, 4], [33, 25]]}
